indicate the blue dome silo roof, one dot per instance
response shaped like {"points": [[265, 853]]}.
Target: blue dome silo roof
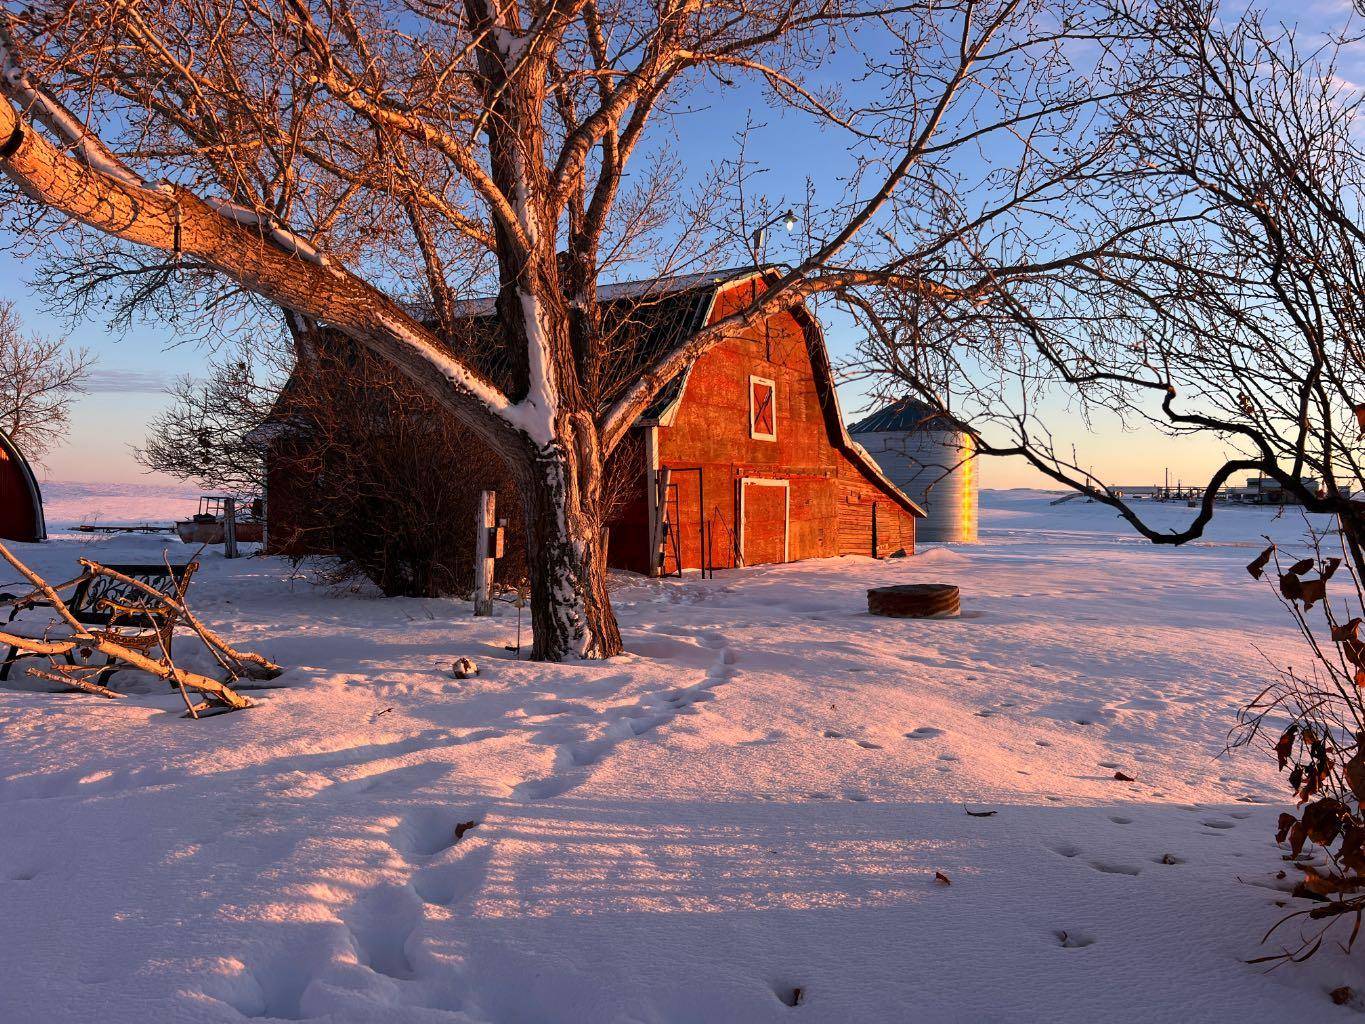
{"points": [[906, 414]]}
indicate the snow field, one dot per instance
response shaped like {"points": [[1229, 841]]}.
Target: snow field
{"points": [[754, 800]]}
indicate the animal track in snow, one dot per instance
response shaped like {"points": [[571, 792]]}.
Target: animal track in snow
{"points": [[626, 722], [1119, 819], [1066, 850], [1215, 823], [1115, 869], [924, 732], [1074, 939]]}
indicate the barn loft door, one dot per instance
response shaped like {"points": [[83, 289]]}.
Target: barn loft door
{"points": [[765, 520]]}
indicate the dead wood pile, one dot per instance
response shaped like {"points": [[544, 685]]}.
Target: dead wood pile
{"points": [[123, 643]]}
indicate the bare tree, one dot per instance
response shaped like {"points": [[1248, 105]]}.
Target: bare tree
{"points": [[1219, 294], [206, 433], [39, 378], [323, 156]]}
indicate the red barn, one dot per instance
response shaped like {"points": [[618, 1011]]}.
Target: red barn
{"points": [[21, 503], [759, 467], [742, 459]]}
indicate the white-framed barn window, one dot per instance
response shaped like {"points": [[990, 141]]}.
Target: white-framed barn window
{"points": [[762, 409]]}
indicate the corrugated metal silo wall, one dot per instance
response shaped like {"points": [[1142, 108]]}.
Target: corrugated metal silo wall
{"points": [[933, 468]]}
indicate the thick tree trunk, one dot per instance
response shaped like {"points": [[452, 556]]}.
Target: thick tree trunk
{"points": [[566, 561]]}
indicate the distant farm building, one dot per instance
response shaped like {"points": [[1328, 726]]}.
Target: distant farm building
{"points": [[1265, 490], [929, 459], [742, 459], [21, 502]]}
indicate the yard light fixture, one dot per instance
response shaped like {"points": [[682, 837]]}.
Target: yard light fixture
{"points": [[760, 235]]}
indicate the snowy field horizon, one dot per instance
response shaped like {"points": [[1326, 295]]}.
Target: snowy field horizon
{"points": [[754, 800]]}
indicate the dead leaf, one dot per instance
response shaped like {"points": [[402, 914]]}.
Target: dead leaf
{"points": [[464, 827], [1312, 591], [1120, 777], [1291, 586], [1323, 820], [1298, 835], [1330, 567], [1287, 821], [1327, 885], [942, 879], [1352, 852], [1284, 746], [1341, 996], [1354, 771], [980, 814], [1346, 631], [1300, 567], [1257, 567], [1303, 892]]}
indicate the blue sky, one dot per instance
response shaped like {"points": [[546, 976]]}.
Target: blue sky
{"points": [[133, 368]]}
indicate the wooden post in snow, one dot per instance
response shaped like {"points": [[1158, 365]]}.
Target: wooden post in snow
{"points": [[657, 542], [484, 524], [229, 527]]}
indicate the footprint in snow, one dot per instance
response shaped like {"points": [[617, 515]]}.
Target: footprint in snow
{"points": [[924, 732]]}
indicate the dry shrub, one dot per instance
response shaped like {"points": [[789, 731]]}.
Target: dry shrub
{"points": [[365, 467], [1313, 723]]}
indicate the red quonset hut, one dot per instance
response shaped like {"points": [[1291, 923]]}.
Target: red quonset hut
{"points": [[760, 468], [21, 503]]}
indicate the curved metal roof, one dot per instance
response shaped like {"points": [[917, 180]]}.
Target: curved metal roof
{"points": [[30, 482], [906, 414]]}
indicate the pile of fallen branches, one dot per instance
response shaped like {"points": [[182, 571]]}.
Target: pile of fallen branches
{"points": [[154, 613]]}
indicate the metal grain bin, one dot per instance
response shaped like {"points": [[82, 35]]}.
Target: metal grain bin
{"points": [[931, 461]]}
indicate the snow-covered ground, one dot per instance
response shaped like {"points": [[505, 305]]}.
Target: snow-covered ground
{"points": [[67, 504], [754, 800]]}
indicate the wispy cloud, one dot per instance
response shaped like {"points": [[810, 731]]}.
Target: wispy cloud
{"points": [[125, 381]]}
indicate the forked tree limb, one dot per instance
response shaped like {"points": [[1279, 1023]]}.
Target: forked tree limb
{"points": [[175, 221], [107, 647], [248, 664]]}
